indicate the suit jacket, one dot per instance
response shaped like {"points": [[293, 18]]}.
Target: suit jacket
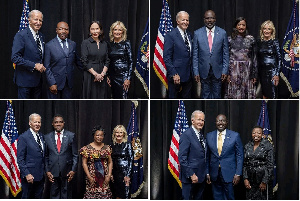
{"points": [[25, 55], [192, 157], [64, 161], [231, 158], [30, 157], [218, 58], [59, 65], [176, 56]]}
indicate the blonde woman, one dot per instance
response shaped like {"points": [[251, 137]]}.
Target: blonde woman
{"points": [[122, 157], [120, 60], [268, 60]]}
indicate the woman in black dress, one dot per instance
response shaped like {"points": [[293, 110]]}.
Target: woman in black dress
{"points": [[269, 59], [94, 56], [258, 166], [120, 60], [122, 157]]}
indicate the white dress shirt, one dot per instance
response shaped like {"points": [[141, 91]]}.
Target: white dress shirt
{"points": [[182, 35], [212, 32], [61, 43], [35, 137], [61, 136], [34, 37], [223, 136]]}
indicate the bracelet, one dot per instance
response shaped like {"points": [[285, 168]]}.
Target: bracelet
{"points": [[104, 72]]}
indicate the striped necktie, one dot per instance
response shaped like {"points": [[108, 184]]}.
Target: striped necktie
{"points": [[186, 42], [38, 42]]}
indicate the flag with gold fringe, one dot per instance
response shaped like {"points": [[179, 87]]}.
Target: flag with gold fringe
{"points": [[9, 169], [290, 53], [137, 177], [24, 18], [263, 121], [142, 61], [181, 124]]}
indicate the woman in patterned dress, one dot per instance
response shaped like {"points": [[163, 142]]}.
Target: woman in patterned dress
{"points": [[242, 71], [258, 166], [97, 165]]}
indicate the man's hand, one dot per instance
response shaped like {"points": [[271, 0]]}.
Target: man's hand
{"points": [[53, 89], [236, 180], [247, 184], [208, 179], [176, 79], [50, 176], [197, 78], [40, 67], [29, 178], [194, 178], [70, 175]]}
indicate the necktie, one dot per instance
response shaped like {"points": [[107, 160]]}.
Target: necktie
{"points": [[39, 140], [58, 142], [38, 42], [201, 139], [220, 143], [186, 41], [65, 46], [210, 42]]}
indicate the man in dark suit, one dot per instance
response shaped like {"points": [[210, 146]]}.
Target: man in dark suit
{"points": [[192, 158], [27, 54], [61, 159], [210, 57], [60, 61], [31, 160], [177, 58], [225, 156]]}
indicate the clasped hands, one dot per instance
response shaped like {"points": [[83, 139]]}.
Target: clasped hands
{"points": [[99, 77], [40, 67], [70, 176]]}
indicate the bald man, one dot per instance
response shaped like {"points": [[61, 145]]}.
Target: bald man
{"points": [[60, 61]]}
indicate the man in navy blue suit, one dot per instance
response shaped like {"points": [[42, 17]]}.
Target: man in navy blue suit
{"points": [[225, 156], [60, 61], [210, 57], [31, 160], [27, 54], [178, 59], [192, 158]]}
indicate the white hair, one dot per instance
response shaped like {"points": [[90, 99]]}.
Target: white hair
{"points": [[180, 13], [34, 11], [34, 115], [196, 111]]}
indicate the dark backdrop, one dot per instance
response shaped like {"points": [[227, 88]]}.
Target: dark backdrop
{"points": [[78, 14], [80, 117], [242, 116], [255, 12]]}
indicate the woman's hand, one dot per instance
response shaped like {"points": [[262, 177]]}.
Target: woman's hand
{"points": [[263, 186], [275, 80], [253, 80], [91, 180], [126, 85], [107, 179], [108, 81], [228, 79], [127, 181], [247, 184]]}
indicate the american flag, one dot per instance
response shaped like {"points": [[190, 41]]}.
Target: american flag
{"points": [[137, 177], [24, 19], [181, 124], [165, 26], [263, 121], [9, 169]]}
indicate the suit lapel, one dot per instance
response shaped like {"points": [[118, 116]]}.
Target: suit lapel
{"points": [[216, 37], [178, 34], [195, 138], [204, 38], [52, 138], [226, 141], [30, 36], [32, 139], [64, 141], [59, 47]]}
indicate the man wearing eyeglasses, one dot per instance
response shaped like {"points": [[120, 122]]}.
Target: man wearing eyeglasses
{"points": [[225, 159], [210, 57]]}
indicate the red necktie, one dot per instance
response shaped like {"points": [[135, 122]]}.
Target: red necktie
{"points": [[58, 142], [210, 40]]}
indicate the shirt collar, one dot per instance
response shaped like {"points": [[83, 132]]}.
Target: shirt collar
{"points": [[33, 132], [180, 30], [212, 30], [59, 40], [33, 32], [196, 131], [223, 132], [61, 132]]}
